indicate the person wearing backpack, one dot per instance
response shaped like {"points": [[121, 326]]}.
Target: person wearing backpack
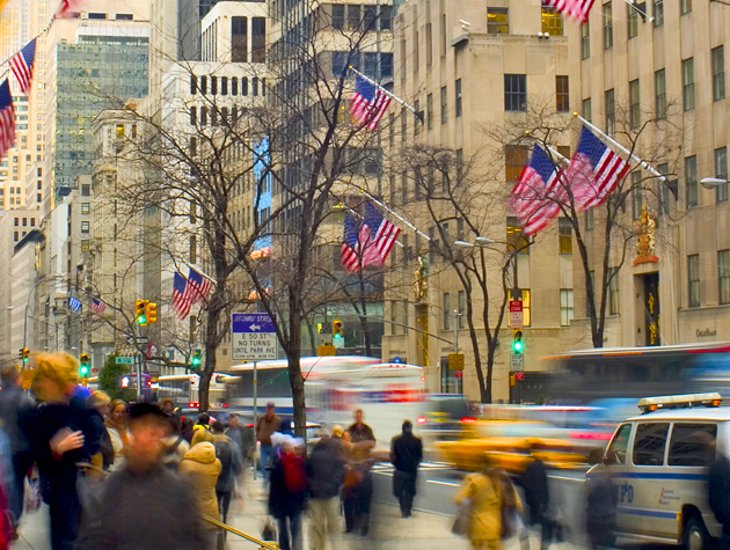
{"points": [[175, 445], [231, 467]]}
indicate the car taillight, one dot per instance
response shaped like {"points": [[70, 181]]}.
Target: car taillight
{"points": [[421, 420], [468, 419], [193, 405], [225, 405]]}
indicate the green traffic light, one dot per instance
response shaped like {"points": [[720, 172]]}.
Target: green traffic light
{"points": [[141, 320], [517, 347], [84, 370]]}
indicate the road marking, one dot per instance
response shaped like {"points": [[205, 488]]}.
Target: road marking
{"points": [[446, 483]]}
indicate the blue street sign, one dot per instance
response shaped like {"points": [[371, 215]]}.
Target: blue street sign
{"points": [[253, 337]]}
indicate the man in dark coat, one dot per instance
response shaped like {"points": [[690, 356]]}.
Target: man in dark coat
{"points": [[601, 502], [534, 481], [152, 507], [719, 495], [406, 453], [326, 474], [359, 494]]}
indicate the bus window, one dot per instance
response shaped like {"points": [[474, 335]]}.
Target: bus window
{"points": [[649, 444], [616, 452]]}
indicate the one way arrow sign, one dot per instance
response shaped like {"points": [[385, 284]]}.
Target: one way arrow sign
{"points": [[253, 337]]}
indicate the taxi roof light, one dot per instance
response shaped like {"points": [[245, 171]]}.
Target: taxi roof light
{"points": [[651, 404]]}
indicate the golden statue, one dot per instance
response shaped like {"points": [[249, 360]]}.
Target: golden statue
{"points": [[420, 285], [646, 238]]}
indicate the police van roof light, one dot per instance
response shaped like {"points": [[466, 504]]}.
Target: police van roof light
{"points": [[651, 404]]}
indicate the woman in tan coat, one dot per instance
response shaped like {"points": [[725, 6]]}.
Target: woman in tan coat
{"points": [[486, 495], [202, 467]]}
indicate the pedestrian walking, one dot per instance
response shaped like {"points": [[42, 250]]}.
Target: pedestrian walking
{"points": [[358, 491], [116, 427], [174, 444], [534, 482], [16, 409], [147, 506], [288, 492], [265, 428], [406, 453], [62, 435], [601, 502], [202, 468], [231, 467], [325, 474], [98, 403], [243, 436], [483, 490]]}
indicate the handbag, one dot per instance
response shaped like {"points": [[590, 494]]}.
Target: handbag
{"points": [[463, 518], [268, 533]]}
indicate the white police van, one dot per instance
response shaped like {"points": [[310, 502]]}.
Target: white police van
{"points": [[659, 462]]}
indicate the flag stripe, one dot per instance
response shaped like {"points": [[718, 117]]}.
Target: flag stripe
{"points": [[368, 104], [21, 64], [578, 9]]}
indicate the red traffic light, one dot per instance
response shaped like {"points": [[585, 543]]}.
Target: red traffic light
{"points": [[519, 376]]}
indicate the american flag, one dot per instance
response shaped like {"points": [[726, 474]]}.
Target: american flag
{"points": [[382, 235], [22, 66], [7, 118], [181, 296], [75, 304], [578, 9], [350, 253], [97, 306], [66, 7], [369, 103], [594, 171], [536, 197], [201, 286]]}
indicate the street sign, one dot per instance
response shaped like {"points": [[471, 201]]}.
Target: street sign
{"points": [[253, 337], [326, 349], [515, 313], [517, 362], [124, 361], [456, 361], [325, 338]]}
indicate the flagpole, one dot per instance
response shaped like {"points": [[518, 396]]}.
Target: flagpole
{"points": [[642, 163], [632, 4], [386, 92], [396, 215]]}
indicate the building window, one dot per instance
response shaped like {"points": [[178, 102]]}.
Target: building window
{"points": [[693, 280], [193, 84], [429, 44], [685, 6], [634, 103], [660, 93], [526, 306], [690, 178], [85, 190], [444, 105], [658, 13], [586, 109], [718, 73], [338, 16], [447, 313], [457, 93], [688, 84], [613, 295], [239, 39], [565, 236], [497, 20], [84, 245], [637, 199], [515, 92], [429, 111], [562, 94], [234, 85], [585, 40], [224, 85], [405, 316], [632, 21], [663, 210], [193, 115], [589, 220], [516, 240], [515, 159], [723, 275], [607, 26], [721, 173], [84, 227], [461, 304], [566, 306], [551, 21], [85, 208], [610, 111]]}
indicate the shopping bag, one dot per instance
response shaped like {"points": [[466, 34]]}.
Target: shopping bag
{"points": [[462, 519], [268, 533]]}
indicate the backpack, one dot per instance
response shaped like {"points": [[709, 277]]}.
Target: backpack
{"points": [[224, 453], [171, 459]]}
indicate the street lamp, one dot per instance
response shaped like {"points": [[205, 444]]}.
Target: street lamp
{"points": [[712, 183], [481, 242]]}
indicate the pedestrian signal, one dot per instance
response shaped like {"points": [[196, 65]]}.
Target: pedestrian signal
{"points": [[140, 312], [151, 312], [518, 346], [84, 365]]}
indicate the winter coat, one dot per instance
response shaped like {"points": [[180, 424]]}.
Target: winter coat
{"points": [[288, 486], [486, 505], [326, 468], [535, 483], [719, 490], [150, 511], [601, 501], [201, 466], [105, 442], [231, 464], [16, 410], [406, 453]]}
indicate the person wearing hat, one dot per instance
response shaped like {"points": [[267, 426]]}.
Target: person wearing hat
{"points": [[265, 428]]}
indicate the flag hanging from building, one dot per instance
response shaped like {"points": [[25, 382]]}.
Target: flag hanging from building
{"points": [[7, 118], [97, 306], [67, 7], [594, 171], [74, 303], [22, 66], [201, 286], [536, 197], [382, 235], [350, 253], [369, 103], [577, 9], [181, 296]]}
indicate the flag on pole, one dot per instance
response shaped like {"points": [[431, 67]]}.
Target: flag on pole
{"points": [[66, 7], [22, 66], [594, 171], [7, 118], [350, 253], [74, 303], [97, 306], [382, 235], [577, 9], [181, 296], [201, 286], [536, 197], [369, 103]]}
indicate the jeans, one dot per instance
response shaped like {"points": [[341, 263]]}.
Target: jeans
{"points": [[265, 460], [290, 532], [224, 502], [324, 519]]}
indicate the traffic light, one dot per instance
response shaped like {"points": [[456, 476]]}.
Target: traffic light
{"points": [[195, 360], [518, 346], [151, 312], [84, 365], [140, 312], [24, 356], [338, 338]]}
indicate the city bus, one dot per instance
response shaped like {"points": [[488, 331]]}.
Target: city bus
{"points": [[335, 387], [183, 389]]}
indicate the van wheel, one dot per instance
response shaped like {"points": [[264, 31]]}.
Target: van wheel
{"points": [[696, 536]]}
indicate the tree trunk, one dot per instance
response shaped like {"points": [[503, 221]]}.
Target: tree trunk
{"points": [[293, 355], [211, 339]]}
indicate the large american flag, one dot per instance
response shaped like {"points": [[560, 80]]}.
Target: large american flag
{"points": [[201, 286], [578, 9], [97, 306], [369, 103], [22, 66], [7, 118], [382, 235], [594, 171], [536, 197], [181, 296], [350, 253]]}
